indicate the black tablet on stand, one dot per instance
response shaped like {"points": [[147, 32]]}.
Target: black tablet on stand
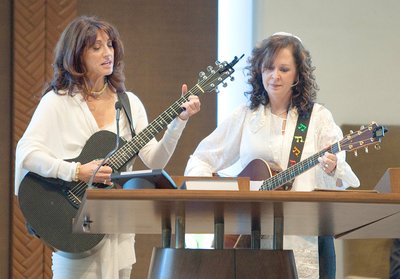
{"points": [[144, 179]]}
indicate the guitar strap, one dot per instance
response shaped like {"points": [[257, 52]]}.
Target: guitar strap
{"points": [[123, 98], [299, 138]]}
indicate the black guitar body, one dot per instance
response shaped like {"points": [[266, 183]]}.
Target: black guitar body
{"points": [[48, 211]]}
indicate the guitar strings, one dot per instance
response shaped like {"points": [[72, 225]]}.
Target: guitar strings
{"points": [[127, 151], [269, 183], [171, 113], [291, 172], [80, 188]]}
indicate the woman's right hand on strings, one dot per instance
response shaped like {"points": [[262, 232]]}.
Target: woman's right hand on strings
{"points": [[102, 176]]}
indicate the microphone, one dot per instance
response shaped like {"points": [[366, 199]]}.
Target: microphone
{"points": [[118, 107]]}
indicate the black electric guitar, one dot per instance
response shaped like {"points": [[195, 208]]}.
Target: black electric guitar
{"points": [[275, 179], [50, 204]]}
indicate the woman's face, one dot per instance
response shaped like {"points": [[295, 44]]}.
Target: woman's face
{"points": [[278, 79], [98, 59]]}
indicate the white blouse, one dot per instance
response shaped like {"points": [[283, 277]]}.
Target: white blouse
{"points": [[247, 135], [59, 129]]}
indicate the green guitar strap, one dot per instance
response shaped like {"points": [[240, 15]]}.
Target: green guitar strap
{"points": [[123, 98]]}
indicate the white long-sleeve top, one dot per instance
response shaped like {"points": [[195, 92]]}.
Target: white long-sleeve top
{"points": [[59, 129], [247, 134]]}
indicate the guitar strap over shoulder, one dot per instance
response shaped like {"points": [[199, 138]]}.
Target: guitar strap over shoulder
{"points": [[123, 98], [299, 138]]}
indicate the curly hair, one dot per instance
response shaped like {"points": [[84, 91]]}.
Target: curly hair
{"points": [[304, 92], [69, 72]]}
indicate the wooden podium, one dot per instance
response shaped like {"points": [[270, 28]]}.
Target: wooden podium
{"points": [[387, 227], [337, 213]]}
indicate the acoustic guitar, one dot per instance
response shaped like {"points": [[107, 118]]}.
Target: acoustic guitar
{"points": [[49, 205], [274, 179]]}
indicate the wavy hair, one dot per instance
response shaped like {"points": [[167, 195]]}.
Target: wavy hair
{"points": [[69, 72], [304, 92]]}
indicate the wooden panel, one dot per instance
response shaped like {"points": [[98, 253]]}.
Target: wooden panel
{"points": [[29, 61], [167, 43], [5, 136], [37, 26]]}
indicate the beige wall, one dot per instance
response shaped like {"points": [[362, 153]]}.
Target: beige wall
{"points": [[354, 45]]}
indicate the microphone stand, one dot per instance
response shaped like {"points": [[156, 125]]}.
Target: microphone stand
{"points": [[118, 107]]}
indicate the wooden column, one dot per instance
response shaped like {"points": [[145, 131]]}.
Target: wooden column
{"points": [[37, 26]]}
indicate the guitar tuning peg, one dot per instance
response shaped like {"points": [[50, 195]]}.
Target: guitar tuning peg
{"points": [[217, 62], [355, 153], [224, 84], [366, 149], [351, 131], [377, 146], [232, 78], [209, 68], [362, 127], [202, 74]]}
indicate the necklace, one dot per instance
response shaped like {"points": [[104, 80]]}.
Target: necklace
{"points": [[97, 94], [281, 113]]}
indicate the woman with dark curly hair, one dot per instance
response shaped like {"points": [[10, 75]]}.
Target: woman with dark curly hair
{"points": [[79, 102], [303, 92], [281, 101]]}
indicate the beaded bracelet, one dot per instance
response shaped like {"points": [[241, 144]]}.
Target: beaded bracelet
{"points": [[76, 177]]}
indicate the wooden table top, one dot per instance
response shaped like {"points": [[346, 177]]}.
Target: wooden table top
{"points": [[338, 213]]}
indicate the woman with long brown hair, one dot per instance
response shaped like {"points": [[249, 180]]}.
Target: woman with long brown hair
{"points": [[79, 102]]}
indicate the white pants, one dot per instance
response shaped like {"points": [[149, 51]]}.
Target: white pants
{"points": [[113, 260], [90, 274]]}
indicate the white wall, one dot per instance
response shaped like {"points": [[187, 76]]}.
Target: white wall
{"points": [[355, 46], [235, 37]]}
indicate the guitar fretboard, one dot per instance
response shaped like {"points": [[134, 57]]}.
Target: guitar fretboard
{"points": [[131, 148], [290, 173]]}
